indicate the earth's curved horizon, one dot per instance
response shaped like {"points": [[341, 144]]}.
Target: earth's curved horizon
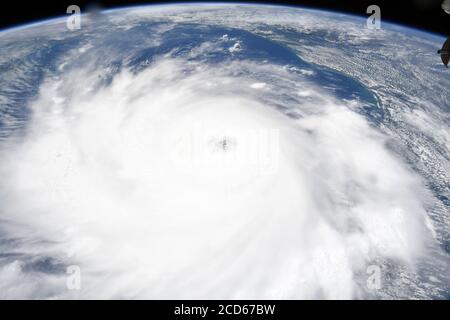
{"points": [[61, 18]]}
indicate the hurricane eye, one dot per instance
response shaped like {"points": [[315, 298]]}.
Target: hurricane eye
{"points": [[225, 143]]}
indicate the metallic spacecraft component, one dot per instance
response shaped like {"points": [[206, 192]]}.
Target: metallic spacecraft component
{"points": [[445, 52], [446, 6]]}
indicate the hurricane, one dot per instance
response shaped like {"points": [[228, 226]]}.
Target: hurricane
{"points": [[222, 152]]}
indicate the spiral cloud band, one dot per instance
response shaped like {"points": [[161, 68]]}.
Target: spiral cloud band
{"points": [[133, 183], [185, 178]]}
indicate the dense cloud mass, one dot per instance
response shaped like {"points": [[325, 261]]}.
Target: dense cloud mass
{"points": [[190, 179]]}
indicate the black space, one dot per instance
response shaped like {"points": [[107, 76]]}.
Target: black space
{"points": [[422, 14]]}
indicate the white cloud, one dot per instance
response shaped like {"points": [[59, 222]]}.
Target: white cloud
{"points": [[97, 182], [258, 85], [235, 48]]}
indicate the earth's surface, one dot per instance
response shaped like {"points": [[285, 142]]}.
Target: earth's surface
{"points": [[223, 151]]}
